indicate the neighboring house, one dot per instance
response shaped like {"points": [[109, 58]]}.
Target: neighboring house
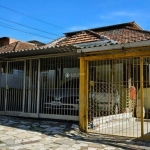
{"points": [[15, 46], [6, 41]]}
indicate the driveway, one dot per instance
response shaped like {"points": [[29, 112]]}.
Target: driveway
{"points": [[36, 134]]}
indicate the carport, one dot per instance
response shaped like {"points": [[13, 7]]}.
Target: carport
{"points": [[40, 83], [115, 80]]}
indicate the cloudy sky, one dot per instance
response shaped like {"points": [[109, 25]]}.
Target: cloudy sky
{"points": [[52, 18]]}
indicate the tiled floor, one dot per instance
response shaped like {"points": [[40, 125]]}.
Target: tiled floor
{"points": [[35, 134]]}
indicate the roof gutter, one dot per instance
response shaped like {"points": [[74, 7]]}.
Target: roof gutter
{"points": [[114, 47]]}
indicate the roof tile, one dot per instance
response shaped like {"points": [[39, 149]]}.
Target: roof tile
{"points": [[125, 34], [17, 46]]}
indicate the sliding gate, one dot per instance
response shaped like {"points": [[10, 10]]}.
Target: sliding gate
{"points": [[119, 97], [43, 87], [19, 88]]}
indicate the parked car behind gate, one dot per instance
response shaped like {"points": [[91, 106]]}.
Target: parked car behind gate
{"points": [[106, 96], [67, 96]]}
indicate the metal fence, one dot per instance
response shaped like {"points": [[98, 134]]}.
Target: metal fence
{"points": [[114, 99], [43, 87]]}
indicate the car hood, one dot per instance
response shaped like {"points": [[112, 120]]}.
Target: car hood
{"points": [[60, 93]]}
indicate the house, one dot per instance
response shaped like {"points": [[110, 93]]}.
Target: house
{"points": [[15, 46], [6, 41], [111, 63]]}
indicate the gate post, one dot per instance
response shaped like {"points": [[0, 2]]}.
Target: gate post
{"points": [[83, 95], [141, 96]]}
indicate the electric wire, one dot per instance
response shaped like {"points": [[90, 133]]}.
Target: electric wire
{"points": [[28, 26], [32, 17], [25, 31]]}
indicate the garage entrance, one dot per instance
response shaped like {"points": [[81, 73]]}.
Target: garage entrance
{"points": [[118, 96], [46, 87]]}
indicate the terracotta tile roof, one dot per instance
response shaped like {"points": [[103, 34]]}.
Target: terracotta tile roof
{"points": [[83, 36], [126, 35], [123, 33], [17, 46], [54, 42]]}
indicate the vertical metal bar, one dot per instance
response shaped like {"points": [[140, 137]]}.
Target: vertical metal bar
{"points": [[16, 101], [6, 85], [141, 95], [38, 89], [87, 94], [43, 78], [0, 84], [129, 74], [24, 85], [30, 81], [52, 79], [82, 95]]}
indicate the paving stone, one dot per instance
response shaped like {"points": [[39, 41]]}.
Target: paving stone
{"points": [[96, 145], [24, 127], [31, 142], [143, 148], [19, 130], [9, 141], [77, 146], [56, 132], [83, 144], [45, 126], [24, 135], [76, 137], [5, 137], [49, 135], [48, 129], [62, 126], [17, 147], [84, 148], [61, 148], [91, 148], [11, 133], [35, 138], [110, 148], [2, 128], [24, 122], [43, 148], [26, 140], [71, 148], [18, 141], [2, 145]]}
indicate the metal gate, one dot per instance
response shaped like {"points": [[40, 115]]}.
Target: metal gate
{"points": [[59, 88], [42, 87], [118, 94]]}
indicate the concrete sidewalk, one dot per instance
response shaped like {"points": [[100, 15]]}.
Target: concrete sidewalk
{"points": [[36, 134]]}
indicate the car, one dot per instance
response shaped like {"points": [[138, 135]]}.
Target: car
{"points": [[66, 97], [105, 96]]}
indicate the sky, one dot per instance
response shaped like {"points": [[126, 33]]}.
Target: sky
{"points": [[61, 16]]}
